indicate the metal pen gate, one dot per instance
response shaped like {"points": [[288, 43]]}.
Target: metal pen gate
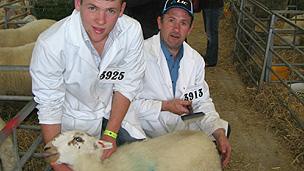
{"points": [[267, 50]]}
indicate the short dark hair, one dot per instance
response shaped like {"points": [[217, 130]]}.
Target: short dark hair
{"points": [[162, 18], [107, 0]]}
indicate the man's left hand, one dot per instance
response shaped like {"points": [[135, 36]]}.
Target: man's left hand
{"points": [[108, 152], [223, 146]]}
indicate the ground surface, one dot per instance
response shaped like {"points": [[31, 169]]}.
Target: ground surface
{"points": [[255, 146]]}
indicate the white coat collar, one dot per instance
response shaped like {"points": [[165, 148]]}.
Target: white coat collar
{"points": [[74, 37], [185, 70]]}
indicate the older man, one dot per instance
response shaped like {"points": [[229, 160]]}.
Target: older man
{"points": [[174, 82]]}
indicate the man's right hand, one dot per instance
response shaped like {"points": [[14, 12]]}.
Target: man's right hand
{"points": [[177, 106]]}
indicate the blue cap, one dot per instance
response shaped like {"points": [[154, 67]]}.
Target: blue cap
{"points": [[183, 4]]}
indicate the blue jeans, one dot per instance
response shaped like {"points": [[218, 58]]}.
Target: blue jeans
{"points": [[211, 22]]}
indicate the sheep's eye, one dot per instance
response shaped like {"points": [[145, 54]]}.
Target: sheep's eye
{"points": [[78, 139], [46, 148]]}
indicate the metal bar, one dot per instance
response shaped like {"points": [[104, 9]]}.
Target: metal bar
{"points": [[238, 24], [33, 127], [7, 20], [288, 64], [36, 155], [297, 48], [260, 6], [15, 98], [15, 121], [16, 153], [288, 11], [244, 66], [14, 68], [268, 54], [9, 3], [287, 21], [31, 150], [247, 37], [288, 47], [248, 53], [252, 38], [246, 69]]}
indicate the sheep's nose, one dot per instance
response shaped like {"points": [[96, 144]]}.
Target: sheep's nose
{"points": [[50, 153]]}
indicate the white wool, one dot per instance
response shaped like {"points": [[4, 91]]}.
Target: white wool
{"points": [[25, 34], [7, 157], [179, 151], [16, 82]]}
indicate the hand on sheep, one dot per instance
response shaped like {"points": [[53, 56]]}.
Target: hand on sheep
{"points": [[223, 146], [108, 152], [177, 106], [60, 167]]}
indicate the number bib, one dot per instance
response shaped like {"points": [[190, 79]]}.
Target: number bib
{"points": [[194, 93], [111, 75]]}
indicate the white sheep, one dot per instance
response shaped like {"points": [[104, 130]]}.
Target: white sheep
{"points": [[7, 157], [25, 34], [15, 82], [179, 151]]}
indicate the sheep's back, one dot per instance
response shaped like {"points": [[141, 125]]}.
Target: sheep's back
{"points": [[185, 150], [25, 34], [16, 82], [7, 157]]}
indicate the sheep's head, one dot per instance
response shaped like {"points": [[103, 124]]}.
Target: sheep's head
{"points": [[67, 146]]}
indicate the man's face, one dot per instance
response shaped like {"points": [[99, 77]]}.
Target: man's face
{"points": [[99, 17], [175, 27]]}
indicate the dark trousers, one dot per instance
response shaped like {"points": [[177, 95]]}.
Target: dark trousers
{"points": [[122, 137], [211, 21], [228, 131]]}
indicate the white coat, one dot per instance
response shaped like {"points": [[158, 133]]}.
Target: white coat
{"points": [[158, 87], [65, 76]]}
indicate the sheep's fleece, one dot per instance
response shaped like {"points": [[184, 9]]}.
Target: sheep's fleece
{"points": [[179, 151], [7, 155]]}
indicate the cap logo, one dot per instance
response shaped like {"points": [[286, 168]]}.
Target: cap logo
{"points": [[181, 1], [183, 4]]}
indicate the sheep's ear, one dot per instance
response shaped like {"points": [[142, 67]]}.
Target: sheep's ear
{"points": [[105, 145]]}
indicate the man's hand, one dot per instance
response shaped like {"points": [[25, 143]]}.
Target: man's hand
{"points": [[107, 153], [120, 106], [223, 146], [60, 167], [176, 106]]}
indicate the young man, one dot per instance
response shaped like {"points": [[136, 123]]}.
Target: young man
{"points": [[86, 69], [174, 81]]}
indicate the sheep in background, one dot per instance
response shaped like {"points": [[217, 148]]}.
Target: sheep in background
{"points": [[299, 38], [7, 157], [25, 20], [23, 35], [185, 150], [16, 82]]}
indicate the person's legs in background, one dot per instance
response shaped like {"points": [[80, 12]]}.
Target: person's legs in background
{"points": [[211, 22]]}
